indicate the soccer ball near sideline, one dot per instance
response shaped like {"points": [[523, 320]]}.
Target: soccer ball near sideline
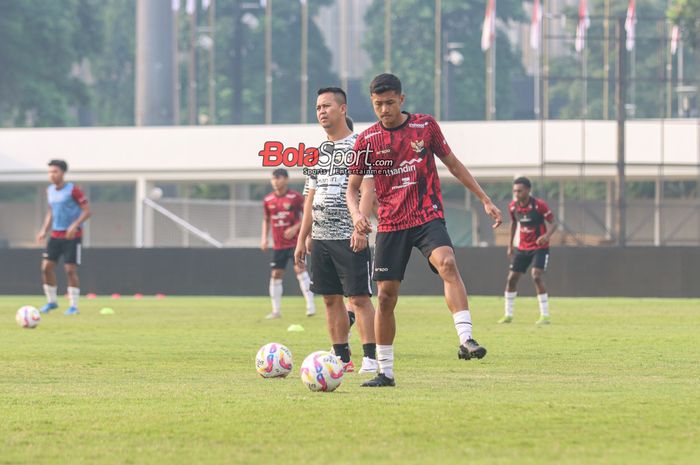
{"points": [[322, 371], [28, 317], [273, 361]]}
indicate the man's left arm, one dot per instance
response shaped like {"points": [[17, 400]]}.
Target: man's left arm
{"points": [[81, 200], [461, 172], [550, 228], [292, 231]]}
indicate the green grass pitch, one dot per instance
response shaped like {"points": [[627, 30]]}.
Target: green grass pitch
{"points": [[172, 381]]}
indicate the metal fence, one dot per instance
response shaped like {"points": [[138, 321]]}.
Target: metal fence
{"points": [[651, 218]]}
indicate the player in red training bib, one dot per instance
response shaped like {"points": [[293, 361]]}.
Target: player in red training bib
{"points": [[531, 215], [400, 152], [282, 209]]}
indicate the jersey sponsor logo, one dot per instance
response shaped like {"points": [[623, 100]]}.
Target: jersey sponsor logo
{"points": [[367, 136], [405, 182], [381, 269], [418, 146], [410, 162], [400, 170], [418, 125]]}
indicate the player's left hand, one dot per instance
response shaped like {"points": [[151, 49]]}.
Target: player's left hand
{"points": [[300, 254], [495, 214], [71, 232], [542, 240], [290, 232], [358, 241]]}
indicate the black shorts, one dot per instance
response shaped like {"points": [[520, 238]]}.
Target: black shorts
{"points": [[393, 249], [280, 257], [339, 270], [69, 249], [523, 258]]}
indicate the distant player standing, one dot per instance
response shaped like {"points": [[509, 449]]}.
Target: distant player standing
{"points": [[400, 150], [282, 209], [68, 210], [340, 258], [532, 214]]}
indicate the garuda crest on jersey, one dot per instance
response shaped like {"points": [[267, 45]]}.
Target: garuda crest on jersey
{"points": [[418, 146]]}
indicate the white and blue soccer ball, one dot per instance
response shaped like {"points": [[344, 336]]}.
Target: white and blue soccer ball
{"points": [[322, 371], [273, 361], [28, 317]]}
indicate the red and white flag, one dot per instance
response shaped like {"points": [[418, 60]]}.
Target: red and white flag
{"points": [[630, 23], [536, 25], [488, 31], [583, 23], [675, 37]]}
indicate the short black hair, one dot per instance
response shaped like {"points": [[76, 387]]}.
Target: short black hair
{"points": [[350, 123], [280, 172], [336, 91], [61, 164], [524, 181], [384, 83]]}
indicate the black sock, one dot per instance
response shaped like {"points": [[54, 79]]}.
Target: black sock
{"points": [[342, 351], [370, 350], [351, 317]]}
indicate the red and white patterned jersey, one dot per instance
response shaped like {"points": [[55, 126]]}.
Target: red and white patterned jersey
{"points": [[405, 176], [282, 212], [531, 220]]}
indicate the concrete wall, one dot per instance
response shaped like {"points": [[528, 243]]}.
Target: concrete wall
{"points": [[634, 271]]}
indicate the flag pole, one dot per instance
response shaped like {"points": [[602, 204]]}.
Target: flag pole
{"points": [[305, 61], [212, 78], [268, 62], [387, 36], [437, 72], [176, 62], [192, 69]]}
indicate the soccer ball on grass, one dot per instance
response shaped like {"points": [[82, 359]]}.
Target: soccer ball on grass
{"points": [[28, 317], [273, 361]]}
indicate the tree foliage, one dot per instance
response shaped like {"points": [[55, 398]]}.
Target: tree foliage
{"points": [[413, 56], [686, 13], [42, 45]]}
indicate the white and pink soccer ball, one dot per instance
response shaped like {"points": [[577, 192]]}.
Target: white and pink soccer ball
{"points": [[322, 371], [28, 317], [273, 361]]}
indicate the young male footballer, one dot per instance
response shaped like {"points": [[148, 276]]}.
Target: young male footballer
{"points": [[399, 150], [68, 210]]}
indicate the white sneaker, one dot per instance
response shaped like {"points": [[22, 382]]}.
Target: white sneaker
{"points": [[273, 315], [369, 365], [310, 311]]}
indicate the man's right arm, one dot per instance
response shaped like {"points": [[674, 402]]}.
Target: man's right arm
{"points": [[265, 229], [513, 229], [45, 226], [305, 231], [352, 196]]}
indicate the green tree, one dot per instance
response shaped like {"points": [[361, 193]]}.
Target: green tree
{"points": [[413, 54], [114, 66], [647, 91], [686, 13], [42, 47], [286, 61]]}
